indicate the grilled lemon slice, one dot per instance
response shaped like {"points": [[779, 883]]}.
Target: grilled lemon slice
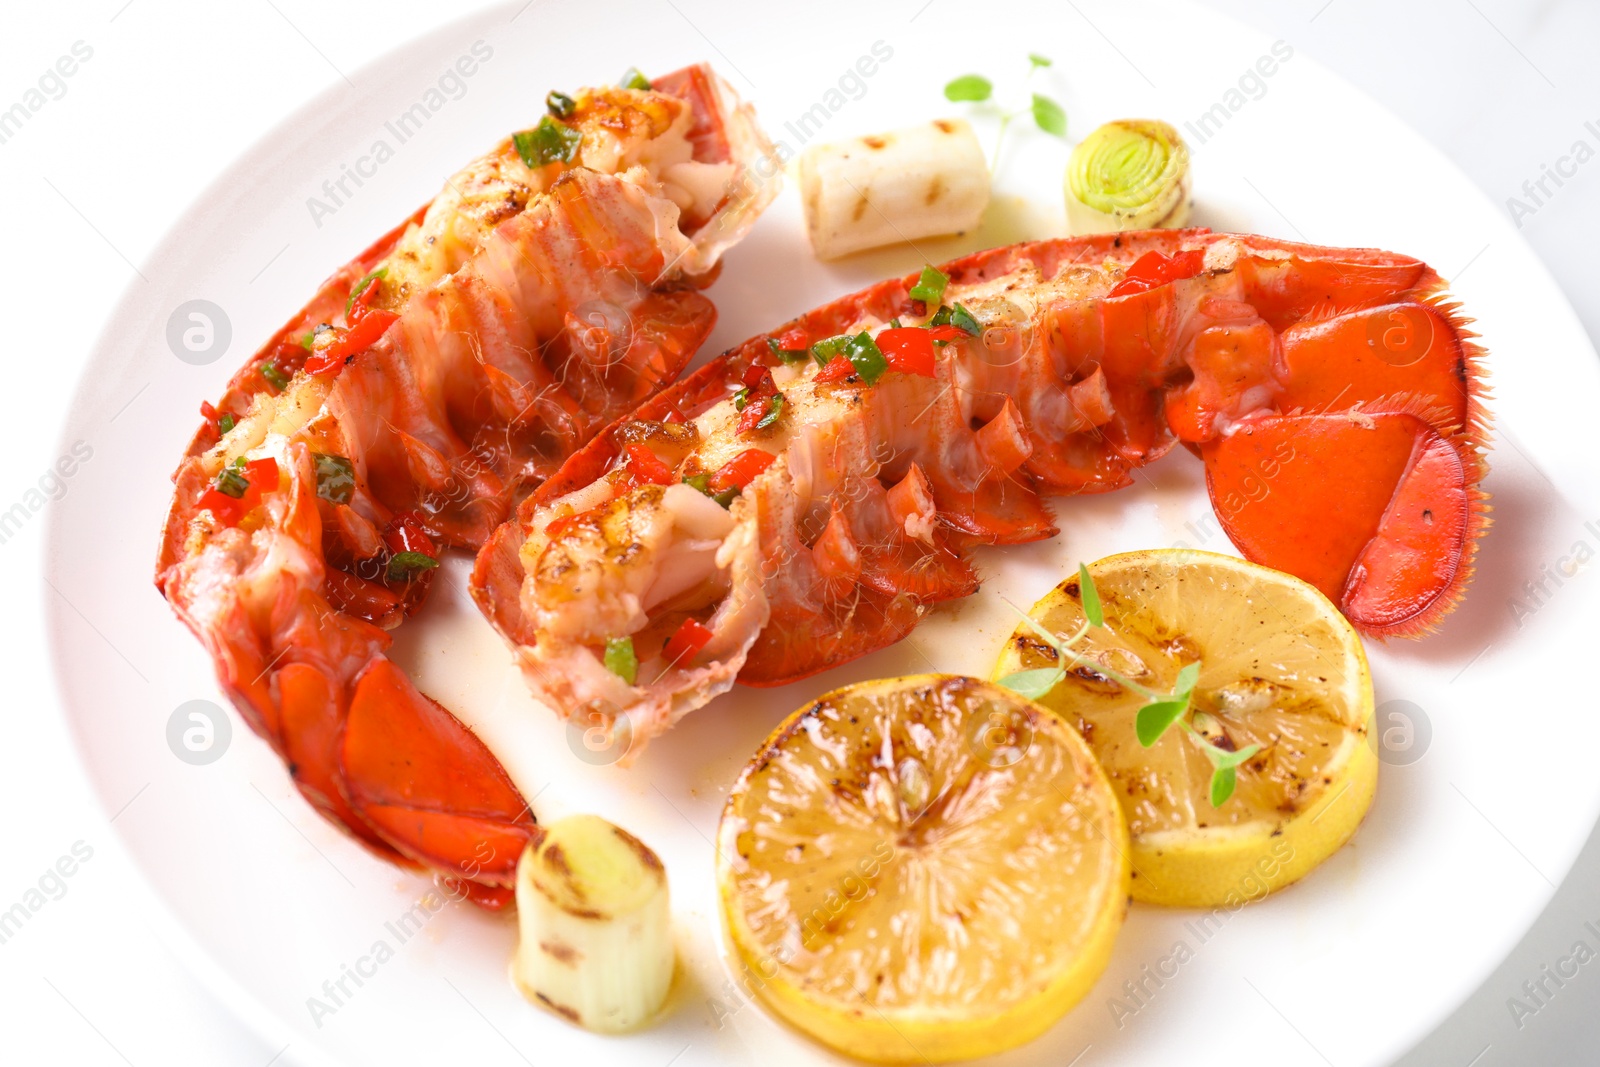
{"points": [[922, 869], [1280, 668]]}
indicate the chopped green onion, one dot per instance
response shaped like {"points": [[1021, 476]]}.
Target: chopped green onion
{"points": [[787, 355], [231, 483], [930, 287], [632, 79], [702, 482], [547, 142], [560, 104], [863, 351], [336, 477], [962, 319], [226, 422], [621, 660], [239, 461], [775, 408], [361, 287], [275, 377], [894, 323], [824, 351], [403, 566], [741, 398]]}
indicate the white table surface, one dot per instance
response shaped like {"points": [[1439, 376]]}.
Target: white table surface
{"points": [[174, 90]]}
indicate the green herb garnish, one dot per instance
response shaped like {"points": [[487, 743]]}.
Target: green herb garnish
{"points": [[701, 482], [1161, 710], [930, 287], [1048, 115], [275, 377], [863, 352], [226, 422], [560, 104], [1224, 761], [727, 496], [976, 89], [621, 660], [336, 477], [403, 566], [548, 142], [1090, 597], [632, 79], [741, 398], [971, 88]]}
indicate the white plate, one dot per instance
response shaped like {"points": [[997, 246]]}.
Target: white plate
{"points": [[1462, 848]]}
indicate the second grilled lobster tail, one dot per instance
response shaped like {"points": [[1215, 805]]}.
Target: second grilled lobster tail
{"points": [[1334, 396]]}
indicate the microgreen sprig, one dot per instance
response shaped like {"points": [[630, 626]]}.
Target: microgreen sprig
{"points": [[976, 89], [1160, 712]]}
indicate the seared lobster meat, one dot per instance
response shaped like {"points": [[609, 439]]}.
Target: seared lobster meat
{"points": [[1334, 396], [428, 385]]}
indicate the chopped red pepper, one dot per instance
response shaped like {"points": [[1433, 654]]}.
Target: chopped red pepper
{"points": [[556, 527], [262, 474], [360, 336], [741, 470], [908, 349], [289, 356], [405, 533], [1153, 269], [947, 333], [646, 468], [686, 644], [794, 340], [761, 394], [759, 411], [361, 303], [838, 369], [208, 412]]}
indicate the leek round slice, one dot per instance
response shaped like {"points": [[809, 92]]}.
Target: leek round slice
{"points": [[1131, 174]]}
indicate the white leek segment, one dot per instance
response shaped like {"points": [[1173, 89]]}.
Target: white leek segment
{"points": [[918, 182], [1132, 174], [595, 924]]}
